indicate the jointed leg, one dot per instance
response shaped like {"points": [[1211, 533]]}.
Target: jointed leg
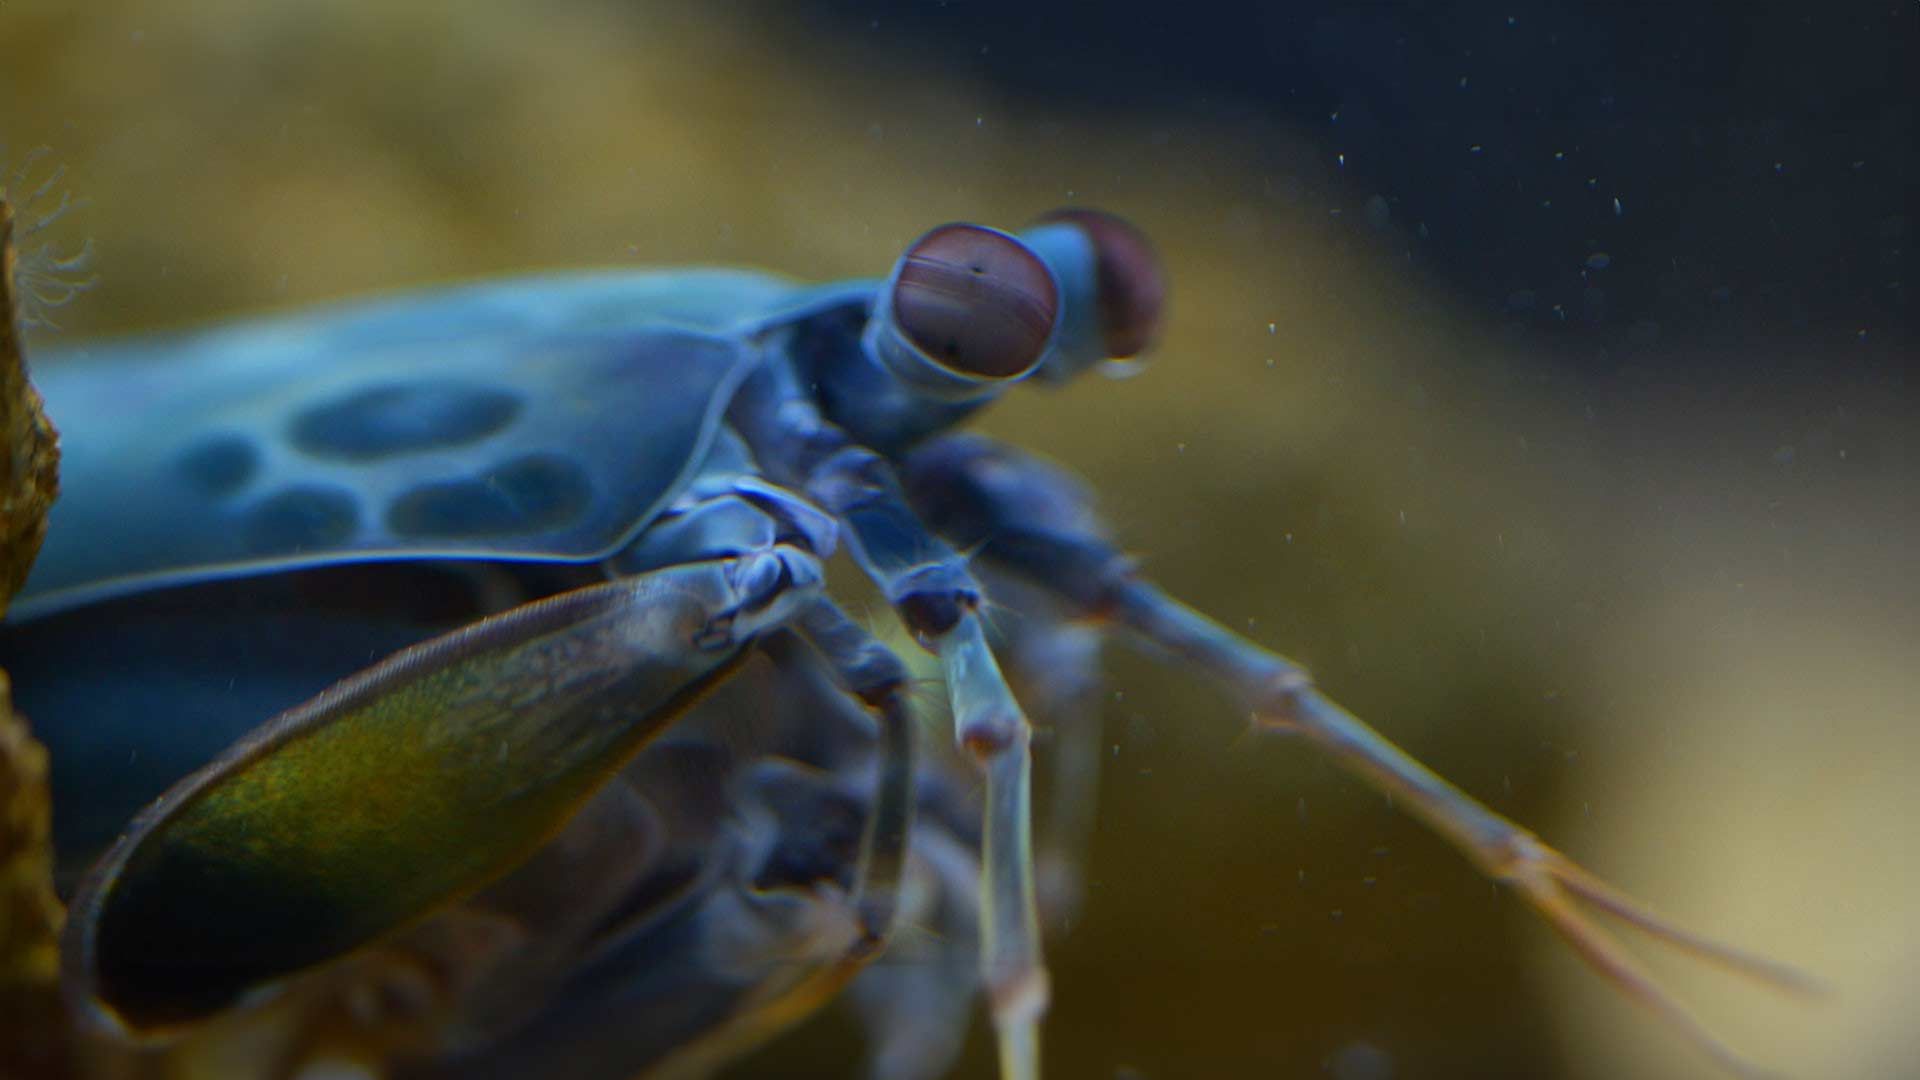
{"points": [[1027, 519], [991, 727], [936, 597], [916, 1003], [1283, 699], [939, 602], [869, 671], [1053, 664]]}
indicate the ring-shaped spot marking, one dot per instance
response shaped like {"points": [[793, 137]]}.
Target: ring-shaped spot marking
{"points": [[301, 518], [220, 465], [401, 417], [531, 493]]}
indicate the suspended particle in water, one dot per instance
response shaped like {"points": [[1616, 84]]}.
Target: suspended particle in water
{"points": [[1360, 1061], [1379, 213]]}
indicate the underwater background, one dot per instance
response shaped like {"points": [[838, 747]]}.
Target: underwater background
{"points": [[1538, 374]]}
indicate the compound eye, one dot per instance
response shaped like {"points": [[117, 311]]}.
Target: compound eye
{"points": [[976, 301], [1133, 291]]}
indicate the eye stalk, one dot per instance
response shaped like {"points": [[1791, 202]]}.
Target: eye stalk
{"points": [[1113, 293], [967, 309]]}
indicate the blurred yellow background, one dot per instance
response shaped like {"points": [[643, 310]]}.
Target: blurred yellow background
{"points": [[1667, 620]]}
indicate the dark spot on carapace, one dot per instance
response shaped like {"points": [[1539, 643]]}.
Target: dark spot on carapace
{"points": [[301, 519], [534, 493], [402, 417], [220, 465]]}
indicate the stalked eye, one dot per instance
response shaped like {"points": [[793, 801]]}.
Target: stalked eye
{"points": [[976, 301], [1132, 290]]}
